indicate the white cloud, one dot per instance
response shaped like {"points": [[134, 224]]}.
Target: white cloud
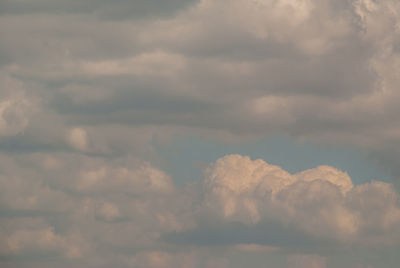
{"points": [[327, 173], [156, 63], [306, 261], [159, 259], [320, 201], [37, 238], [363, 266], [140, 180], [240, 174], [108, 211], [14, 115], [78, 139], [20, 194]]}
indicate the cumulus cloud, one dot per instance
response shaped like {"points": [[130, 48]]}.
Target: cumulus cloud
{"points": [[317, 203], [136, 216]]}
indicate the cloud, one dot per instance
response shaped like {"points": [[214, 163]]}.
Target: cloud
{"points": [[318, 207], [330, 174], [14, 115], [311, 261], [324, 71], [128, 212], [157, 259], [89, 90], [103, 9], [141, 180], [66, 212], [40, 241], [31, 237], [108, 211], [78, 139]]}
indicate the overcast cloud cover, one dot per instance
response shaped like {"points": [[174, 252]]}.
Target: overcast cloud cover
{"points": [[90, 88]]}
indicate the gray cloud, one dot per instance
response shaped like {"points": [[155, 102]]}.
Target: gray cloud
{"points": [[271, 234], [87, 88], [207, 69], [83, 210], [118, 10]]}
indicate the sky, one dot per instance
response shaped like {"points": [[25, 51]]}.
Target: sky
{"points": [[200, 133]]}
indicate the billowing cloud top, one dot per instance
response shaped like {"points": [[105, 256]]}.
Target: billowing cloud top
{"points": [[319, 201]]}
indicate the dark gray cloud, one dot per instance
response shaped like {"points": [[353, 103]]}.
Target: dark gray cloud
{"points": [[267, 234], [117, 10]]}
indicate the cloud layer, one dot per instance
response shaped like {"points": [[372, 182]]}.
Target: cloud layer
{"points": [[325, 70], [134, 216], [89, 89]]}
